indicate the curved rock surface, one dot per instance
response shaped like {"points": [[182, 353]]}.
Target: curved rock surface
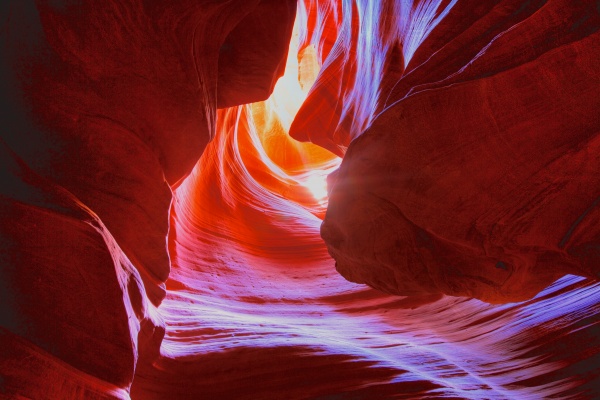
{"points": [[107, 106], [154, 247], [481, 175]]}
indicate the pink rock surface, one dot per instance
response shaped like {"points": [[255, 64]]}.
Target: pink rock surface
{"points": [[140, 259]]}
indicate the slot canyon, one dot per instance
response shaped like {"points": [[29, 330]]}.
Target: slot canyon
{"points": [[300, 199]]}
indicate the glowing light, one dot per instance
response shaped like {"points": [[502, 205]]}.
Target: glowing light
{"points": [[317, 184], [302, 68], [298, 165]]}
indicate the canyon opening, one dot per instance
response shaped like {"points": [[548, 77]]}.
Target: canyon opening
{"points": [[313, 199]]}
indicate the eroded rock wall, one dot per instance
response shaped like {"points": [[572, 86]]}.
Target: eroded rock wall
{"points": [[141, 261], [106, 107], [475, 171]]}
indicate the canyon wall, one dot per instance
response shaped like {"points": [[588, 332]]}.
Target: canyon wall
{"points": [[107, 107], [163, 238]]}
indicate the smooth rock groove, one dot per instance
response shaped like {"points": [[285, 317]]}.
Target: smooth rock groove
{"points": [[163, 236]]}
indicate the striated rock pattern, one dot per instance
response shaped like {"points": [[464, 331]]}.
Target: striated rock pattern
{"points": [[107, 106], [154, 247], [479, 173]]}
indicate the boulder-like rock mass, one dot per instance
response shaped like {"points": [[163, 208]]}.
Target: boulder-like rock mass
{"points": [[282, 199]]}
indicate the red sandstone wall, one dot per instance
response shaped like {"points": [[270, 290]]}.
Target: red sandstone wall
{"points": [[479, 173], [107, 104], [140, 261]]}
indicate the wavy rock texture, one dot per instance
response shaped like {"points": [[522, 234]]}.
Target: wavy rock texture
{"points": [[142, 260], [107, 106], [479, 172]]}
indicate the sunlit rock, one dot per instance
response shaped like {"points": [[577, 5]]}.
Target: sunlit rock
{"points": [[106, 107], [154, 247], [475, 178]]}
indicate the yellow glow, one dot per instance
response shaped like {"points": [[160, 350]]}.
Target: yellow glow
{"points": [[291, 89], [317, 184], [302, 165]]}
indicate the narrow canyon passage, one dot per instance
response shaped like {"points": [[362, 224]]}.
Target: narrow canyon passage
{"points": [[319, 199]]}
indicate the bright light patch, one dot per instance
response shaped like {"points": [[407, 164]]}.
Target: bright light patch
{"points": [[299, 168], [317, 185], [291, 89]]}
